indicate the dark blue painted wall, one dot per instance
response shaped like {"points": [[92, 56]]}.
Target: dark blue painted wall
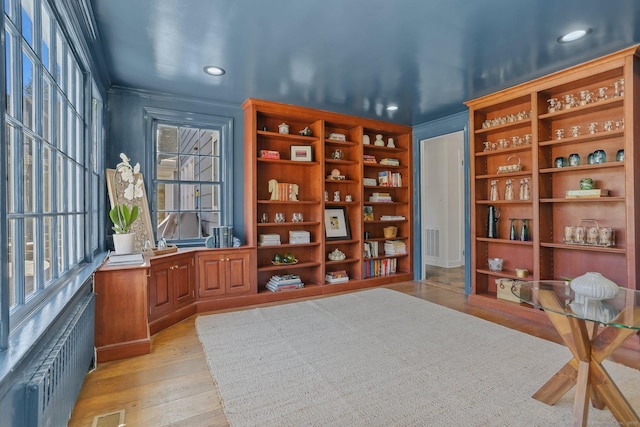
{"points": [[126, 133]]}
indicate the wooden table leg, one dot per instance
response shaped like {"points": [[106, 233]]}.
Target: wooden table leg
{"points": [[585, 369]]}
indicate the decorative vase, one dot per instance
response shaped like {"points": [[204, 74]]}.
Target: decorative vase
{"points": [[123, 243]]}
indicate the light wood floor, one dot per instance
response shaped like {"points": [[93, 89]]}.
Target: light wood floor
{"points": [[172, 386]]}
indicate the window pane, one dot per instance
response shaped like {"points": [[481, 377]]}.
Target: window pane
{"points": [[48, 248], [60, 45], [30, 269], [62, 244], [9, 78], [60, 185], [187, 168], [46, 179], [10, 169], [79, 91], [167, 139], [79, 238], [12, 264], [46, 37], [209, 197], [28, 174], [187, 196], [28, 106], [7, 8], [27, 21], [46, 109], [70, 86], [79, 141], [59, 120]]}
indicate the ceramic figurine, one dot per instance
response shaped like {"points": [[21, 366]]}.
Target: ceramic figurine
{"points": [[378, 142]]}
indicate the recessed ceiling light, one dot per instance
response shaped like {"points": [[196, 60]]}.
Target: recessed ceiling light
{"points": [[392, 108], [574, 35], [214, 70]]}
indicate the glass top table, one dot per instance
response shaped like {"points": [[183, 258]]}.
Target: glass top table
{"points": [[592, 327]]}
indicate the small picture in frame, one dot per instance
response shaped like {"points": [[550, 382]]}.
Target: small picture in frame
{"points": [[301, 153], [336, 223]]}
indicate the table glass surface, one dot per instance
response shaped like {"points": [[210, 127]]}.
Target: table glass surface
{"points": [[622, 311]]}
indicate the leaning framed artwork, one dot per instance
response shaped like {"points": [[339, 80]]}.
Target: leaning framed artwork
{"points": [[336, 223], [142, 226]]}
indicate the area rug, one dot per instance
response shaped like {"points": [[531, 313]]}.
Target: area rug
{"points": [[382, 358]]}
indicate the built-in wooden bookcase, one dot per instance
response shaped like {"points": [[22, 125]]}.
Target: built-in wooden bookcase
{"points": [[333, 180], [596, 112]]}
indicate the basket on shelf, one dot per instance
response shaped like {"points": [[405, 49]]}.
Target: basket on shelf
{"points": [[390, 232], [517, 167]]}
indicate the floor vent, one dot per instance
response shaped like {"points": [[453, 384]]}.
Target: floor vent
{"points": [[113, 419]]}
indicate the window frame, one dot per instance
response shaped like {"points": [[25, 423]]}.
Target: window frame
{"points": [[224, 127]]}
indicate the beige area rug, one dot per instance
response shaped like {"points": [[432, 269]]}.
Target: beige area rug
{"points": [[383, 358]]}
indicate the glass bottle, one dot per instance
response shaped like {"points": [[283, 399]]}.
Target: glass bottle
{"points": [[524, 231], [512, 230]]}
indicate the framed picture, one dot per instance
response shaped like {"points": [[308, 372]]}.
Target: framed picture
{"points": [[301, 153], [336, 224]]}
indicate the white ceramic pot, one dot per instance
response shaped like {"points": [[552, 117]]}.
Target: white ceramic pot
{"points": [[123, 243], [594, 286]]}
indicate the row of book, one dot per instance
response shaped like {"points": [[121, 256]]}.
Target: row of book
{"points": [[389, 179], [370, 248], [284, 282], [222, 236], [380, 267]]}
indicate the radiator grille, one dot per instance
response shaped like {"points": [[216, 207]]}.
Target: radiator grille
{"points": [[432, 245], [53, 388]]}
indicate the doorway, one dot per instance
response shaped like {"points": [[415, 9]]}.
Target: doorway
{"points": [[442, 195]]}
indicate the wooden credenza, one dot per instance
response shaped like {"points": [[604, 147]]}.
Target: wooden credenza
{"points": [[135, 302]]}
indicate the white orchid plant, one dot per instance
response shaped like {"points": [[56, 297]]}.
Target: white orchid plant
{"points": [[121, 215]]}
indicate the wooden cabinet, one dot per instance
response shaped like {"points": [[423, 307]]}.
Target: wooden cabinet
{"points": [[224, 273], [558, 120], [171, 284], [333, 170]]}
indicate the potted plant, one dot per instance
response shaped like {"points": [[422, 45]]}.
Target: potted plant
{"points": [[124, 214]]}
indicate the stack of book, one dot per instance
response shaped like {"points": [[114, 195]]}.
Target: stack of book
{"points": [[395, 247], [284, 282], [391, 217], [222, 236], [298, 237], [390, 162], [380, 197], [368, 158], [135, 258], [269, 154], [336, 277], [369, 182], [268, 239]]}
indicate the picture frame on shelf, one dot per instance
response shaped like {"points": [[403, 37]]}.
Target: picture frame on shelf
{"points": [[336, 223], [301, 153]]}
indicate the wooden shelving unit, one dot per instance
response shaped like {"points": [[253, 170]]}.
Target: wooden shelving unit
{"points": [[336, 170], [523, 110]]}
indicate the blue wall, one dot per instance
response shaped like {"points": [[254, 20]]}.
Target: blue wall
{"points": [[443, 126], [126, 132]]}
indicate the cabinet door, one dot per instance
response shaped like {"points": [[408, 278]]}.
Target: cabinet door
{"points": [[182, 278], [160, 291], [238, 279], [211, 275]]}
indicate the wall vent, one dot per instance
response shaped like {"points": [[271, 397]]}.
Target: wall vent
{"points": [[432, 245]]}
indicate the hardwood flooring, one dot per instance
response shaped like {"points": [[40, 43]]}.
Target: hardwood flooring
{"points": [[172, 385]]}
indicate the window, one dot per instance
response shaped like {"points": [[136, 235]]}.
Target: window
{"points": [[192, 182], [46, 161]]}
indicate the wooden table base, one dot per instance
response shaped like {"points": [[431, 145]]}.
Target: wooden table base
{"points": [[585, 370]]}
